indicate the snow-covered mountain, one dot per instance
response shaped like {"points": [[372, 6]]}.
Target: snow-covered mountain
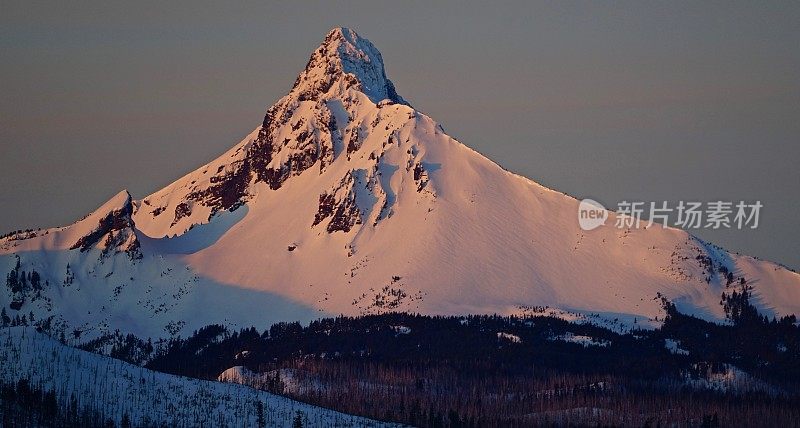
{"points": [[118, 390], [346, 199]]}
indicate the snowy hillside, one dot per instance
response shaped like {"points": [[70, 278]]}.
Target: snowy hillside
{"points": [[346, 199], [116, 389]]}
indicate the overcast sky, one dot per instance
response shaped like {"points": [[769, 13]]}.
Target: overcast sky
{"points": [[644, 101]]}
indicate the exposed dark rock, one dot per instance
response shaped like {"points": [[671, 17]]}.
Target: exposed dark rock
{"points": [[113, 221], [226, 191], [182, 210], [420, 176], [325, 158], [260, 152], [115, 241], [327, 203], [355, 141], [346, 216], [326, 149], [418, 170], [343, 211]]}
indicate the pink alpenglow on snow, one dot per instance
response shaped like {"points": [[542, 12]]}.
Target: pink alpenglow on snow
{"points": [[348, 200]]}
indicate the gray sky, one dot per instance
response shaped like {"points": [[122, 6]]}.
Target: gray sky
{"points": [[645, 101]]}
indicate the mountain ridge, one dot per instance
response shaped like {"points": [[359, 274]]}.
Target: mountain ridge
{"points": [[122, 391]]}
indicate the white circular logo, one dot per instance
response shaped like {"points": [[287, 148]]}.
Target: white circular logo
{"points": [[591, 214]]}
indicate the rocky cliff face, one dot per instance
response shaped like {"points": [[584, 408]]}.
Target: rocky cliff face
{"points": [[324, 115], [115, 231]]}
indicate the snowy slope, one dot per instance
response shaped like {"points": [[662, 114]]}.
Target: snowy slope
{"points": [[293, 381], [348, 200], [116, 388]]}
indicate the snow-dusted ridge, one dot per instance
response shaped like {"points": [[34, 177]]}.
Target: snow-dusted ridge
{"points": [[348, 200], [116, 388]]}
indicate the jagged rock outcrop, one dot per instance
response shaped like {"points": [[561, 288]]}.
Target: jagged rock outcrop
{"points": [[311, 125], [340, 99], [115, 230]]}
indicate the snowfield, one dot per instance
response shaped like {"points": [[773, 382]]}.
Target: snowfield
{"points": [[116, 388], [348, 200]]}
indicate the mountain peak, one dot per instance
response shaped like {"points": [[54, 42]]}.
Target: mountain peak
{"points": [[345, 61], [110, 228], [343, 202], [122, 201]]}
